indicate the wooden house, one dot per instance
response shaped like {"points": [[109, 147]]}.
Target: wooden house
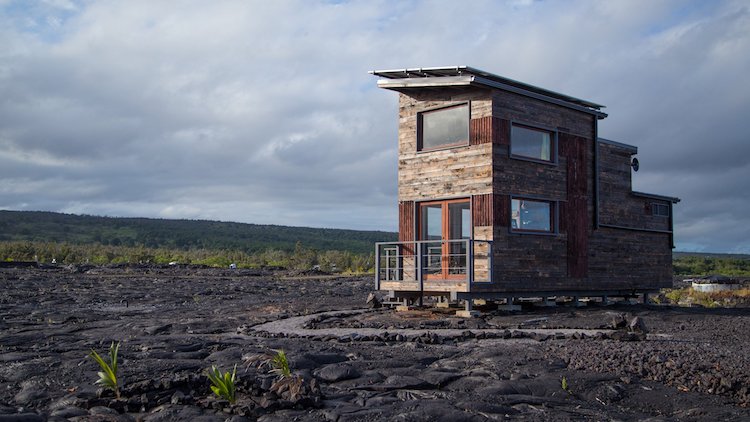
{"points": [[506, 190]]}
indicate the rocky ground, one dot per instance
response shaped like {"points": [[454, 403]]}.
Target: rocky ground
{"points": [[544, 364]]}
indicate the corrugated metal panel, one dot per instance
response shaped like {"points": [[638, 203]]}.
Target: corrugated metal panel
{"points": [[480, 131], [481, 209], [406, 221], [574, 213], [406, 226]]}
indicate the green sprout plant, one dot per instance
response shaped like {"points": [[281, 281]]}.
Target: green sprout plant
{"points": [[280, 364], [288, 386], [108, 374], [564, 385], [223, 384]]}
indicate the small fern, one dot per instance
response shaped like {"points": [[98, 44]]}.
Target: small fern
{"points": [[564, 385], [108, 374], [223, 384]]}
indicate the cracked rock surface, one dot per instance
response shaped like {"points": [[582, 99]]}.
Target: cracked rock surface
{"points": [[348, 364]]}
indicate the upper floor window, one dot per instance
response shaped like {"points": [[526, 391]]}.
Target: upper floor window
{"points": [[532, 215], [660, 210], [533, 143], [443, 127]]}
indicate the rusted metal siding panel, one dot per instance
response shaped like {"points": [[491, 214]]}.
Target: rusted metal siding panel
{"points": [[480, 131], [481, 209], [406, 221], [406, 226], [574, 215]]}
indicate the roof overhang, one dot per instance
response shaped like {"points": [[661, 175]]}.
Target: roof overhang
{"points": [[403, 80], [671, 199]]}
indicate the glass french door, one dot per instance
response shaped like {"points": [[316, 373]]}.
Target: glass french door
{"points": [[439, 222]]}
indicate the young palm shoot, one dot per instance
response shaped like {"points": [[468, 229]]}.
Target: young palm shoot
{"points": [[108, 374], [280, 364], [223, 384]]}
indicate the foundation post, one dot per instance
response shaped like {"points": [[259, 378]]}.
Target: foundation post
{"points": [[468, 312], [509, 305], [546, 302], [442, 302]]}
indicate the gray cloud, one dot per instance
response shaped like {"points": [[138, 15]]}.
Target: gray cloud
{"points": [[263, 111]]}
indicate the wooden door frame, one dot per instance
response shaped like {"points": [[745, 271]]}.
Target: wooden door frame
{"points": [[444, 230]]}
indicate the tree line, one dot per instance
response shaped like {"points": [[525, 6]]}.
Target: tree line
{"points": [[709, 265], [39, 226], [300, 258]]}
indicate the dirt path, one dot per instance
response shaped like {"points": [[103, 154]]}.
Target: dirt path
{"points": [[296, 326]]}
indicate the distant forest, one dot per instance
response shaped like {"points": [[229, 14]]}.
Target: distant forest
{"points": [[71, 239], [43, 236], [733, 265], [38, 226]]}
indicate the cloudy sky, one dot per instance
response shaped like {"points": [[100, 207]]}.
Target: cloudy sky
{"points": [[263, 111]]}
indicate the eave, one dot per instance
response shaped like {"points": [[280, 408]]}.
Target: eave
{"points": [[405, 80]]}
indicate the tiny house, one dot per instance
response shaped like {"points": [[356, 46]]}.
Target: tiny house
{"points": [[506, 190]]}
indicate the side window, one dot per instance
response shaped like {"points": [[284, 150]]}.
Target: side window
{"points": [[659, 210], [534, 216], [532, 143], [443, 127]]}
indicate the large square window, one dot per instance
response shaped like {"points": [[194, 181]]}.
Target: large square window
{"points": [[533, 143], [532, 215], [443, 127]]}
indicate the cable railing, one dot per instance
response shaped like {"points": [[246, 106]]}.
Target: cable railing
{"points": [[428, 264]]}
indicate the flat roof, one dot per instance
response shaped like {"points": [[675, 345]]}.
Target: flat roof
{"points": [[631, 148], [425, 77]]}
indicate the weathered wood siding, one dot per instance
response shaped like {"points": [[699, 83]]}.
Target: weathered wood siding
{"points": [[630, 259], [534, 261], [481, 253], [618, 206], [521, 109], [447, 173], [577, 257]]}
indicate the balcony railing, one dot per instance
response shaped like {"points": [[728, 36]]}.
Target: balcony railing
{"points": [[424, 264]]}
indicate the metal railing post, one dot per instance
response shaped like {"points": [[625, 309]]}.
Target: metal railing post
{"points": [[469, 264], [377, 267], [418, 254], [489, 262]]}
